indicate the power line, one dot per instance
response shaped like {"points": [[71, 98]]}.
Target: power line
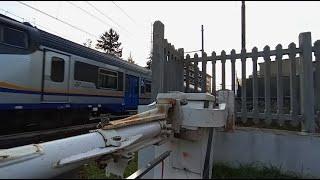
{"points": [[64, 22], [5, 11], [124, 12], [106, 16], [23, 19], [88, 13]]}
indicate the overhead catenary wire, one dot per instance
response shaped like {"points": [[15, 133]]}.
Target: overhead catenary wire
{"points": [[88, 13], [107, 16], [25, 19], [62, 21], [124, 12], [66, 22], [93, 16]]}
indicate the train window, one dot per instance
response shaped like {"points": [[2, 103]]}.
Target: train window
{"points": [[1, 34], [14, 37], [142, 89], [108, 79], [57, 69], [85, 72], [148, 87], [120, 81]]}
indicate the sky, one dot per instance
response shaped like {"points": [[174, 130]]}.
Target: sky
{"points": [[267, 23]]}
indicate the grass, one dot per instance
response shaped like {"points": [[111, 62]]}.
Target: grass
{"points": [[92, 171], [273, 125], [251, 171], [220, 170]]}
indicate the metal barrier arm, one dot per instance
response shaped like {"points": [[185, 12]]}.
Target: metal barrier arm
{"points": [[116, 141], [53, 158]]}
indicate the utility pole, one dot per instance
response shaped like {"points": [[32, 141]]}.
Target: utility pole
{"points": [[202, 46], [204, 64], [243, 25]]}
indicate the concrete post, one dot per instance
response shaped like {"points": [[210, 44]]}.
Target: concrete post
{"points": [[233, 70], [169, 70], [293, 83], [279, 55], [255, 84], [204, 72], [317, 76], [166, 56], [223, 66], [187, 65], [158, 59], [267, 83], [196, 72], [213, 89], [306, 82], [180, 83], [233, 78], [244, 87]]}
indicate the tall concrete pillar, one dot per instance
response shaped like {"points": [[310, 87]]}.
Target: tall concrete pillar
{"points": [[158, 60], [306, 82]]}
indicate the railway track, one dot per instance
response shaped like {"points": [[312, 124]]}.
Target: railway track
{"points": [[20, 139]]}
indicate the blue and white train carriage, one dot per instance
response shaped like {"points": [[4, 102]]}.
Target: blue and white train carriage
{"points": [[47, 81]]}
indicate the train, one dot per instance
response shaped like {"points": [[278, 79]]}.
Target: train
{"points": [[47, 81]]}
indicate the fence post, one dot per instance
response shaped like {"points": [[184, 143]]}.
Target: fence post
{"points": [[317, 78], [167, 69], [233, 70], [267, 76], [180, 83], [204, 73], [158, 66], [187, 65], [306, 82], [293, 84], [279, 55], [244, 87], [196, 72], [213, 89], [223, 66], [255, 109], [166, 55], [233, 78]]}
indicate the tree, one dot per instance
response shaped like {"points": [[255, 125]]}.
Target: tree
{"points": [[88, 43], [130, 60], [108, 42], [149, 62]]}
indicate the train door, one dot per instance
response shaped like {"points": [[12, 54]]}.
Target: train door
{"points": [[131, 98], [55, 77]]}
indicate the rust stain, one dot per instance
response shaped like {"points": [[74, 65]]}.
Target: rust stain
{"points": [[185, 154]]}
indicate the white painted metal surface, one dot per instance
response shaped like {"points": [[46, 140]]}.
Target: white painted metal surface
{"points": [[191, 119], [31, 165], [41, 166], [192, 150]]}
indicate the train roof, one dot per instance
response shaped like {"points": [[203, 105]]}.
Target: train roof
{"points": [[50, 40]]}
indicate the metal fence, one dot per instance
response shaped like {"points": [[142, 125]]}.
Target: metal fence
{"points": [[168, 75]]}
